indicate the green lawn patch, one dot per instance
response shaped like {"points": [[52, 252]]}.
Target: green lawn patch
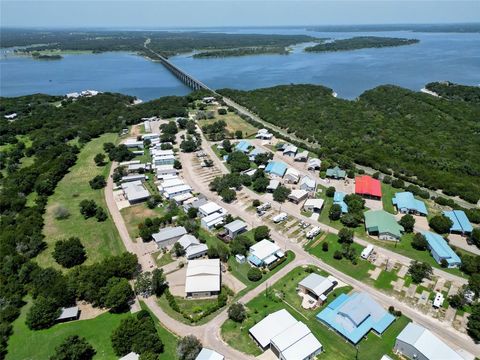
{"points": [[388, 192], [101, 239], [40, 344], [384, 280], [283, 296], [136, 214], [165, 259]]}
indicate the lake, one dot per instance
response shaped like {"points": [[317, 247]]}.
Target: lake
{"points": [[438, 56]]}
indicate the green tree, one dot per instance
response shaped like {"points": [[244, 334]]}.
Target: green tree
{"points": [[74, 347], [227, 145], [330, 192], [419, 271], [178, 249], [325, 246], [260, 184], [419, 242], [441, 224], [261, 232], [99, 159], [143, 284], [408, 222], [100, 214], [119, 295], [335, 212], [345, 236], [228, 195], [238, 161], [188, 348], [192, 213], [474, 284], [238, 134], [42, 314], [281, 194], [254, 274], [69, 252], [473, 325], [237, 312], [159, 282], [475, 236], [88, 208]]}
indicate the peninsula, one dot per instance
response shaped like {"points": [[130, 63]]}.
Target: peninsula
{"points": [[361, 42]]}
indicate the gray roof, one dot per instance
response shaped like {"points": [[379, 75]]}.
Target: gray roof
{"points": [[188, 240], [169, 233], [236, 225], [135, 190], [316, 283], [68, 313]]}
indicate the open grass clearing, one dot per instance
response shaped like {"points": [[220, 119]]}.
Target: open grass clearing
{"points": [[101, 239], [136, 214], [234, 123]]}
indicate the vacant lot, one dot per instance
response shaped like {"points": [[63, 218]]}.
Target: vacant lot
{"points": [[234, 123], [101, 239]]}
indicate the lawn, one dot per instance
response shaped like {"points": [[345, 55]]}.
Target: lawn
{"points": [[100, 239], [384, 280], [335, 347], [134, 215], [359, 271], [40, 344], [234, 123], [388, 192]]}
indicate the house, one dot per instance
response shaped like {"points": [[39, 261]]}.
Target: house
{"points": [[210, 208], [146, 126], [296, 196], [317, 287], [176, 190], [272, 185], [336, 173], [168, 235], [286, 337], [338, 199], [68, 314], [368, 187], [133, 143], [150, 136], [314, 164], [10, 116], [208, 99], [165, 170], [264, 253], [440, 250], [134, 177], [193, 247], [243, 146], [168, 159], [383, 224], [292, 176], [134, 168], [181, 198], [195, 203], [353, 316], [254, 153], [301, 156], [307, 184], [290, 150], [406, 203], [130, 356], [235, 227], [264, 134], [203, 278], [213, 220], [313, 205], [276, 168], [135, 192], [417, 343], [461, 225], [169, 183], [207, 354]]}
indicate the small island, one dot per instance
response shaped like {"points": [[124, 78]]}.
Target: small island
{"points": [[261, 50], [360, 42], [39, 56]]}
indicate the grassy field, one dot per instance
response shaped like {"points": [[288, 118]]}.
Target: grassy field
{"points": [[32, 345], [234, 123], [388, 192], [100, 239], [335, 347], [134, 215], [359, 271]]}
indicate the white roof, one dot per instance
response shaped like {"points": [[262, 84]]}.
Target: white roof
{"points": [[290, 148], [316, 284], [263, 249], [134, 190], [314, 162], [292, 172], [438, 301], [207, 354], [68, 313], [308, 181], [273, 184], [316, 203], [236, 225], [182, 197], [303, 154], [203, 275], [131, 356], [171, 183], [195, 250], [177, 189], [157, 152], [427, 343], [188, 240], [303, 348], [290, 336], [164, 167], [169, 233], [213, 219], [298, 194], [210, 208], [271, 326]]}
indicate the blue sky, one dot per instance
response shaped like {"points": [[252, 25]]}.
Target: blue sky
{"points": [[221, 13]]}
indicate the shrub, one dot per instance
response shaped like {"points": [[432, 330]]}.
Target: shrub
{"points": [[188, 348], [337, 255], [237, 312], [222, 111], [98, 182], [256, 203], [88, 208], [325, 246], [100, 214], [61, 213], [330, 192], [261, 232], [419, 242], [74, 347], [335, 212], [254, 274], [99, 159]]}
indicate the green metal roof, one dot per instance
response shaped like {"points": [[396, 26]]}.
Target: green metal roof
{"points": [[336, 172], [382, 222]]}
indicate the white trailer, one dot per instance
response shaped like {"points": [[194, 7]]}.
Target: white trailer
{"points": [[279, 218], [367, 252]]}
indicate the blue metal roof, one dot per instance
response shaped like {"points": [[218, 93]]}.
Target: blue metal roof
{"points": [[438, 245], [460, 221], [277, 168], [254, 260], [242, 146], [338, 199], [406, 201], [354, 316]]}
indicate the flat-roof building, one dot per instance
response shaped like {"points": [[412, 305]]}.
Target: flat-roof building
{"points": [[417, 343], [176, 190], [288, 338], [203, 278], [383, 224], [69, 314], [165, 170], [353, 316], [212, 220], [135, 192], [440, 250], [264, 253], [272, 185], [168, 235], [368, 187], [264, 134], [406, 203], [210, 208], [461, 224], [297, 196]]}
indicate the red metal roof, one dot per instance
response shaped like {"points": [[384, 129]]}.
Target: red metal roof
{"points": [[366, 185]]}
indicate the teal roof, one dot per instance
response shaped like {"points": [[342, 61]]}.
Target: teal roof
{"points": [[336, 172], [276, 168], [338, 199], [406, 201], [460, 221], [242, 146], [382, 222], [438, 245]]}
